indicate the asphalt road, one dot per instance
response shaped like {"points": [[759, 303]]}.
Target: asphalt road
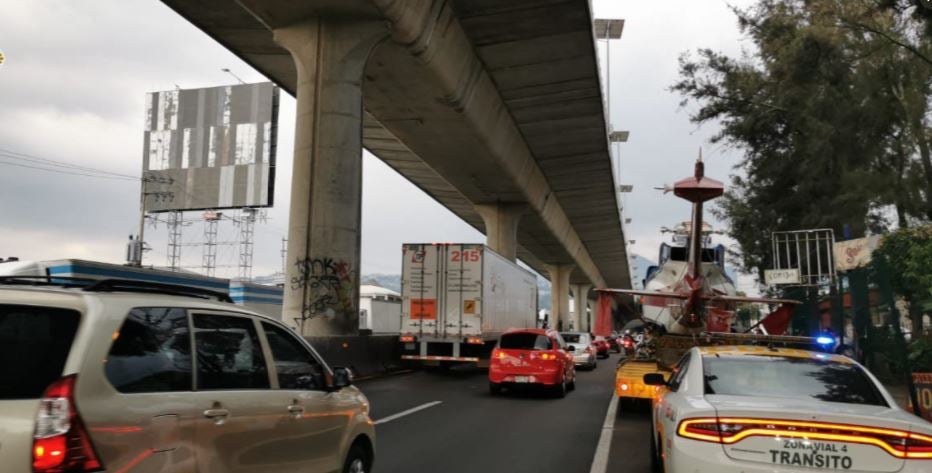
{"points": [[471, 431]]}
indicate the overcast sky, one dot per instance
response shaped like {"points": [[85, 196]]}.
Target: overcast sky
{"points": [[76, 74]]}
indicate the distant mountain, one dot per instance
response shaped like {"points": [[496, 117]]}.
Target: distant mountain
{"points": [[388, 281]]}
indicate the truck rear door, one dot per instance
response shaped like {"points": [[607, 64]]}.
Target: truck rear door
{"points": [[421, 280], [463, 295]]}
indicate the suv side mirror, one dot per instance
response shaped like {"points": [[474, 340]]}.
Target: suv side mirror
{"points": [[655, 379], [342, 377]]}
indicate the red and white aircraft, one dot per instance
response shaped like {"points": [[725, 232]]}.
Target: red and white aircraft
{"points": [[689, 292]]}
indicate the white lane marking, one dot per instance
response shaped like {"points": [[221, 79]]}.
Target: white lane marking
{"points": [[407, 412], [600, 461]]}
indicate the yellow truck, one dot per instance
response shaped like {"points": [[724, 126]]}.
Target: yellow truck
{"points": [[668, 349]]}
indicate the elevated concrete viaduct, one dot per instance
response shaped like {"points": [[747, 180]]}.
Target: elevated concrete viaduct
{"points": [[493, 108]]}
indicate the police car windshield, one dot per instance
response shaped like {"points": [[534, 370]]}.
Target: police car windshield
{"points": [[790, 377]]}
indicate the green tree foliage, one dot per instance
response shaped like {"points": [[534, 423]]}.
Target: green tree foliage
{"points": [[908, 254], [831, 111]]}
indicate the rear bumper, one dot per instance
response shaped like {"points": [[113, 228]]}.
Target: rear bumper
{"points": [[690, 456], [470, 359], [584, 360], [499, 376]]}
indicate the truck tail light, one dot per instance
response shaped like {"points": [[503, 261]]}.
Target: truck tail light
{"points": [[407, 338], [475, 341], [60, 442], [898, 443]]}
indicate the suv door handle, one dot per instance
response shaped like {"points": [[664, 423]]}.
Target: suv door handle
{"points": [[219, 416], [296, 410]]}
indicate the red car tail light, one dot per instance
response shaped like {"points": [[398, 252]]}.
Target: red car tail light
{"points": [[898, 443], [498, 354], [60, 442], [547, 356]]}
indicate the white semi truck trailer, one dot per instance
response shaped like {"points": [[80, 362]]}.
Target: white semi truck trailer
{"points": [[457, 299]]}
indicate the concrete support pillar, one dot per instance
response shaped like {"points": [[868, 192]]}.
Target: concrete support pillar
{"points": [[322, 285], [590, 317], [501, 227], [560, 295], [580, 300]]}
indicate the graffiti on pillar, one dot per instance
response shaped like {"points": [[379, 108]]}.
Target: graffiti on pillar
{"points": [[328, 284]]}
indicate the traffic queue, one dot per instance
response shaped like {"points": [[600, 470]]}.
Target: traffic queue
{"points": [[546, 359]]}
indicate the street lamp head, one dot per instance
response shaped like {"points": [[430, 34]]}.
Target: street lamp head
{"points": [[618, 136], [608, 28]]}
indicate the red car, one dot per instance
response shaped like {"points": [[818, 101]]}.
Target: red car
{"points": [[602, 347], [532, 357]]}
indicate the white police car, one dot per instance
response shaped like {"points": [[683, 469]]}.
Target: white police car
{"points": [[751, 409]]}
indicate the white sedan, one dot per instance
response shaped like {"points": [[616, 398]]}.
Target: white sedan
{"points": [[756, 409]]}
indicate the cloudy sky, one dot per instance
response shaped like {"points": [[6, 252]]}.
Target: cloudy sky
{"points": [[76, 74]]}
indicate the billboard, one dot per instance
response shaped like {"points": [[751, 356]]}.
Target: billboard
{"points": [[854, 254], [210, 148]]}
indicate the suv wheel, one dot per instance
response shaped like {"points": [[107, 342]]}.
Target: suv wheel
{"points": [[357, 461]]}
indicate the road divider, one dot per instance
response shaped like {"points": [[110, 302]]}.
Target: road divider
{"points": [[408, 412]]}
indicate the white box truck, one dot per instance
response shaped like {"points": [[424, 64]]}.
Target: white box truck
{"points": [[456, 299], [379, 310]]}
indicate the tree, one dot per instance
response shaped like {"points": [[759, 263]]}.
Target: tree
{"points": [[908, 254], [825, 113]]}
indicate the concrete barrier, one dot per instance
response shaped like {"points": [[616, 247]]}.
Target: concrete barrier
{"points": [[366, 355]]}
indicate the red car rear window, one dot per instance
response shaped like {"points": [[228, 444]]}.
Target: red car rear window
{"points": [[524, 341]]}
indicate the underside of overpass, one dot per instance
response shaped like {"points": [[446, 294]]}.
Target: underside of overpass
{"points": [[476, 102]]}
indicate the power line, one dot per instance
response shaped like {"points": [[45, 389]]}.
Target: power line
{"points": [[59, 171], [51, 162]]}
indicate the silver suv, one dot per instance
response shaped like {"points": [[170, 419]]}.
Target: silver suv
{"points": [[124, 376]]}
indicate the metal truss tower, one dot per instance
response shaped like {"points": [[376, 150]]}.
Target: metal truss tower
{"points": [[247, 228], [175, 222], [209, 256]]}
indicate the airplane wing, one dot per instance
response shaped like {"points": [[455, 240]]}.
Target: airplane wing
{"points": [[636, 292], [762, 300]]}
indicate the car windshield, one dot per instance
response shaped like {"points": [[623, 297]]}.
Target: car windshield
{"points": [[34, 345], [524, 341], [577, 338], [790, 377]]}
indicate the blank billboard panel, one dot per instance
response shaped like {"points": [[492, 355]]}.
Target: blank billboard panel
{"points": [[211, 148]]}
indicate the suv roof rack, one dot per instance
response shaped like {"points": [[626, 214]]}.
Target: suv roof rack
{"points": [[30, 280], [116, 285], [130, 285]]}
